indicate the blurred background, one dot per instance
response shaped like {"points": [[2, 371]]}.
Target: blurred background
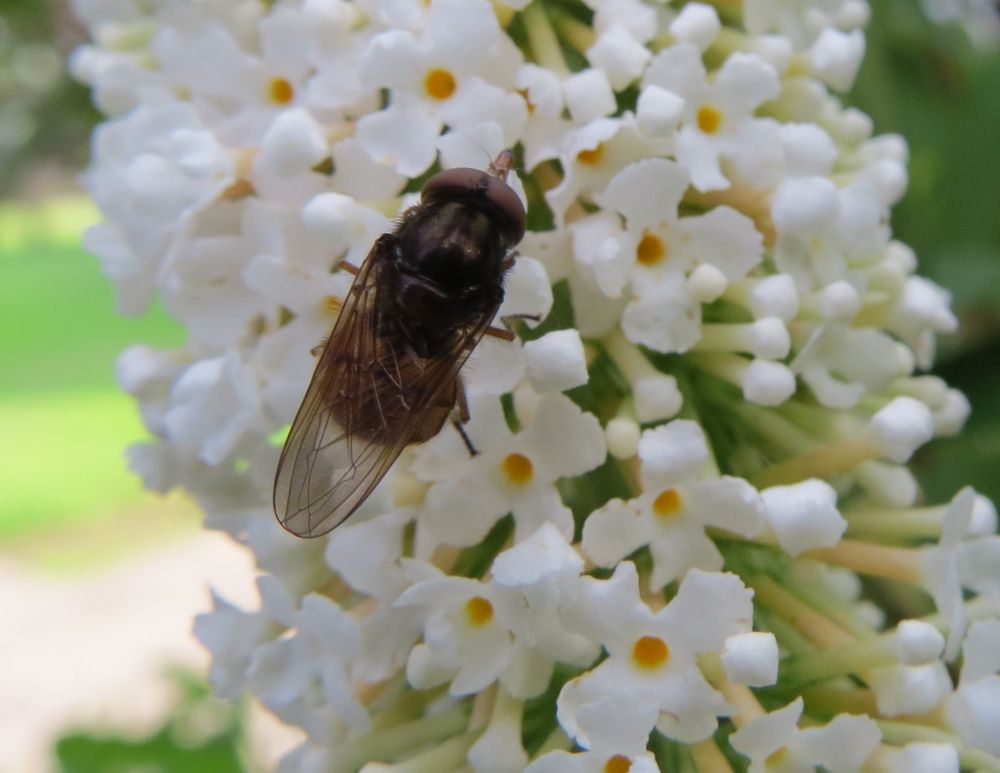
{"points": [[100, 581]]}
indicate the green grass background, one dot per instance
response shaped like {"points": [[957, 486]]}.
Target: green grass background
{"points": [[64, 422]]}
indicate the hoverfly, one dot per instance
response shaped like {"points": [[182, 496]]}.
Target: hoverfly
{"points": [[388, 375]]}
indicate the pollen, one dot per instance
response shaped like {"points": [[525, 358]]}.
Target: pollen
{"points": [[709, 119], [518, 468], [478, 611], [668, 503], [618, 764], [650, 652], [439, 83], [591, 157], [650, 250], [280, 91]]}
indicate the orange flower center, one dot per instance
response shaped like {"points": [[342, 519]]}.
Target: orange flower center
{"points": [[709, 119], [591, 157], [650, 250], [478, 611], [618, 764], [439, 83], [667, 503], [650, 652], [518, 468], [280, 91]]}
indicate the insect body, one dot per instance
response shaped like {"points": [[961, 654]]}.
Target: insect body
{"points": [[389, 374]]}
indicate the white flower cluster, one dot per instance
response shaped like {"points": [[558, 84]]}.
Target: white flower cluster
{"points": [[653, 560]]}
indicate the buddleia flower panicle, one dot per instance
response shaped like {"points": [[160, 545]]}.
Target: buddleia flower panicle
{"points": [[690, 488]]}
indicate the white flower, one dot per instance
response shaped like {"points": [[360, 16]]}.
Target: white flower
{"points": [[455, 71], [751, 658], [803, 516], [510, 472], [774, 741], [708, 237], [651, 675], [507, 629], [592, 762], [155, 168], [718, 120], [320, 651], [672, 520], [972, 708]]}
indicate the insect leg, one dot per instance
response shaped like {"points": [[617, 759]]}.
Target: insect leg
{"points": [[349, 267], [461, 416], [507, 331]]}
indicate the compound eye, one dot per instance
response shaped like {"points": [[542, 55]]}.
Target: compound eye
{"points": [[463, 182], [509, 204]]}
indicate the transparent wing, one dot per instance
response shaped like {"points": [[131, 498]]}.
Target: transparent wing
{"points": [[366, 402]]}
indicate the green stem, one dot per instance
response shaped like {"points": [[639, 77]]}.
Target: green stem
{"points": [[396, 742], [542, 40]]}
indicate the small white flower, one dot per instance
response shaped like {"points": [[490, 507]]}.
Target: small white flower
{"points": [[513, 473], [901, 427], [556, 361], [718, 120], [751, 658], [672, 520], [918, 643], [972, 708], [231, 635], [919, 757], [774, 741], [901, 689], [803, 516], [456, 70], [592, 762], [467, 633], [215, 404], [320, 651], [835, 56], [939, 567], [651, 676]]}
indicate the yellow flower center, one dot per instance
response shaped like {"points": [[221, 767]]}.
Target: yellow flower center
{"points": [[439, 83], [591, 157], [650, 250], [527, 100], [280, 91], [650, 652], [618, 764], [518, 468], [478, 611], [667, 503], [776, 758], [709, 119]]}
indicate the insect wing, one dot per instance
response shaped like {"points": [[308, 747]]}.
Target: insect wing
{"points": [[325, 472]]}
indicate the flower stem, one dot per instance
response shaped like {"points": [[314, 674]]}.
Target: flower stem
{"points": [[849, 658], [708, 757], [395, 742], [823, 462], [542, 39], [816, 626], [871, 559], [885, 523]]}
